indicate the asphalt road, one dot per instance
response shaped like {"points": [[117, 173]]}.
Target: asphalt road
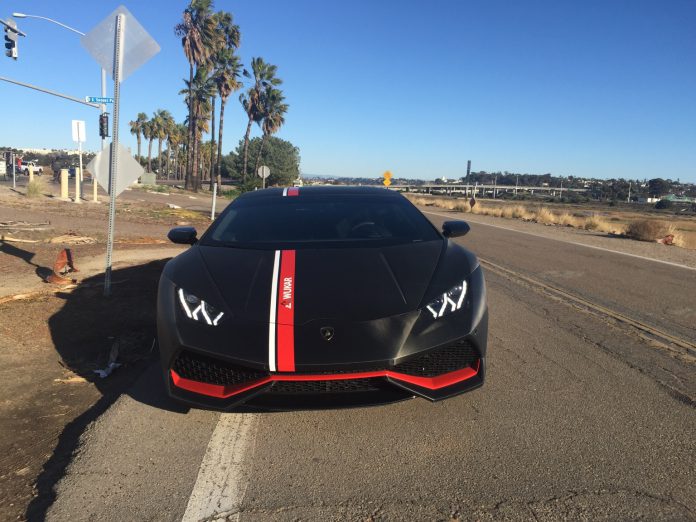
{"points": [[581, 418]]}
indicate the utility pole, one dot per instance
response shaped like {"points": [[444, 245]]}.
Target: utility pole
{"points": [[629, 193], [468, 171]]}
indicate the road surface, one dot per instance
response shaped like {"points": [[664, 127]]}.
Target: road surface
{"points": [[587, 413]]}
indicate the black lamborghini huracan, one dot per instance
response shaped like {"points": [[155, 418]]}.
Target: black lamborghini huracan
{"points": [[321, 297]]}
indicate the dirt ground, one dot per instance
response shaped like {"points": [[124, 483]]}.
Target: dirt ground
{"points": [[52, 339]]}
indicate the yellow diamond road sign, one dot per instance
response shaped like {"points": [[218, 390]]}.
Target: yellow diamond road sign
{"points": [[387, 178]]}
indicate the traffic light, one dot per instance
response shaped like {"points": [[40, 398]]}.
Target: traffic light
{"points": [[104, 125], [11, 39]]}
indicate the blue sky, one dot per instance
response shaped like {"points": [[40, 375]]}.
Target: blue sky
{"points": [[597, 88]]}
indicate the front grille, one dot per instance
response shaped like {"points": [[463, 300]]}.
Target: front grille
{"points": [[442, 360], [335, 386], [197, 367]]}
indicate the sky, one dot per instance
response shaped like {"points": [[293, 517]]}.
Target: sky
{"points": [[592, 88]]}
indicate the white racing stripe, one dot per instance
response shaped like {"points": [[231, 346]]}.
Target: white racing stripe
{"points": [[670, 263], [224, 473], [272, 314]]}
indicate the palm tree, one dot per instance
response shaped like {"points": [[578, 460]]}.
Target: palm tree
{"points": [[162, 119], [273, 110], [198, 95], [226, 72], [227, 81], [149, 134], [264, 77], [136, 128], [182, 136], [197, 32], [172, 142]]}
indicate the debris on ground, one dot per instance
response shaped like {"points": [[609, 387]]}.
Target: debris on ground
{"points": [[72, 238], [172, 205], [112, 364], [667, 240], [64, 265], [142, 241], [24, 226], [11, 239], [74, 379]]}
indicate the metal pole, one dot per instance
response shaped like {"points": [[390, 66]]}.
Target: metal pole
{"points": [[113, 171], [468, 171], [212, 212], [40, 89], [78, 179]]}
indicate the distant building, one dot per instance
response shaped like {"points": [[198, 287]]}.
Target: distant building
{"points": [[678, 199]]}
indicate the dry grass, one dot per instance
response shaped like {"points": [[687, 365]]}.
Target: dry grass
{"points": [[519, 212], [685, 239], [567, 220], [650, 229], [544, 216], [34, 189], [642, 229]]}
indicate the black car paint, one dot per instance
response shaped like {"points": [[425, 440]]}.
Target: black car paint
{"points": [[372, 298]]}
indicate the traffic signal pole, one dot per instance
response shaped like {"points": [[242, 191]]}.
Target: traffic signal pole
{"points": [[47, 91]]}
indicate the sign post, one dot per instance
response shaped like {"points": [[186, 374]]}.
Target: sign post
{"points": [[118, 43], [263, 172], [113, 170], [78, 135]]}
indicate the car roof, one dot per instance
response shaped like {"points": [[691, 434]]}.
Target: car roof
{"points": [[321, 191]]}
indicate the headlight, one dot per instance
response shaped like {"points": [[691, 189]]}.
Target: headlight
{"points": [[198, 310], [448, 302]]}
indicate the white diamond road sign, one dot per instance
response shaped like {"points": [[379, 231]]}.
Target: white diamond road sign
{"points": [[138, 45], [128, 169]]}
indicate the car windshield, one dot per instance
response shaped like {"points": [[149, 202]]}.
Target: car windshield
{"points": [[329, 221]]}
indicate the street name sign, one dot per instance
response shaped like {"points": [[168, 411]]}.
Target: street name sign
{"points": [[99, 99]]}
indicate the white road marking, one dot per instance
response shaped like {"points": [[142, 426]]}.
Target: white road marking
{"points": [[224, 473], [670, 263]]}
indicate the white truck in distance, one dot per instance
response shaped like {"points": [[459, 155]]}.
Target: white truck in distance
{"points": [[38, 169]]}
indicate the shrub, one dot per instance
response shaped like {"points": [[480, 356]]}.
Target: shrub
{"points": [[544, 216], [594, 222], [663, 204], [519, 212], [567, 220], [34, 189], [649, 229]]}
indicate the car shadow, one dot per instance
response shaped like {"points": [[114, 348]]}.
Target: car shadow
{"points": [[6, 247], [90, 330]]}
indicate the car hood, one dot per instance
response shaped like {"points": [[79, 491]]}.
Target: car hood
{"points": [[353, 284], [368, 297]]}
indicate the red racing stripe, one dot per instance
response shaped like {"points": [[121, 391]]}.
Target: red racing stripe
{"points": [[286, 312], [293, 191]]}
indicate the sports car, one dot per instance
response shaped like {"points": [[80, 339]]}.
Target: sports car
{"points": [[321, 297]]}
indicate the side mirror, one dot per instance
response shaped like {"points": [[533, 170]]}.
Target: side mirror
{"points": [[183, 235], [455, 228]]}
